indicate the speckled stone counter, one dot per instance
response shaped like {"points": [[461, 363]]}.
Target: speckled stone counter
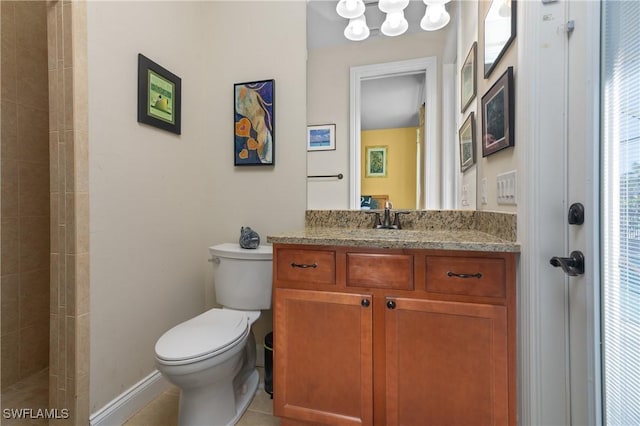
{"points": [[428, 229]]}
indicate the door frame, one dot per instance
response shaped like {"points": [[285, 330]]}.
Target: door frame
{"points": [[428, 66], [537, 21]]}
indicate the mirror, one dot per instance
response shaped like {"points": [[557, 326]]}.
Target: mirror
{"points": [[330, 83], [499, 31]]}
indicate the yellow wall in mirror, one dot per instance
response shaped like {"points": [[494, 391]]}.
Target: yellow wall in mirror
{"points": [[400, 181]]}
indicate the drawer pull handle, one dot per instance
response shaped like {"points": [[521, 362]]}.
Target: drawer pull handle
{"points": [[365, 303], [453, 274], [303, 265], [391, 304]]}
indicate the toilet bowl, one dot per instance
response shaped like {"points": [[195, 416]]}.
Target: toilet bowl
{"points": [[212, 357]]}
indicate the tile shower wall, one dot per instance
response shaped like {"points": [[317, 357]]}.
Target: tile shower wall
{"points": [[69, 314], [25, 191]]}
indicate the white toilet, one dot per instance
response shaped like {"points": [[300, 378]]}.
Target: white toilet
{"points": [[212, 357]]}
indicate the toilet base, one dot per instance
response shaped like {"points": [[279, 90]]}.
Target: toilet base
{"points": [[245, 396], [200, 410]]}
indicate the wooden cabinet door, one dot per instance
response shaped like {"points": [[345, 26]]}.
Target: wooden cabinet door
{"points": [[446, 363], [323, 357]]}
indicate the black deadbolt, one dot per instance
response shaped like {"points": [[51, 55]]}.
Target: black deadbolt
{"points": [[576, 214]]}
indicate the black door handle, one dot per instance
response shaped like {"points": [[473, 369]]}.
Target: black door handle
{"points": [[572, 265]]}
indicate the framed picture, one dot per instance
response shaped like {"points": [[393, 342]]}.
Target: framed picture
{"points": [[376, 161], [467, 138], [254, 123], [498, 113], [321, 137], [468, 78], [159, 96], [499, 32]]}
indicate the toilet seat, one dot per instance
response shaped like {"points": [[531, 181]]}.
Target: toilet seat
{"points": [[209, 334]]}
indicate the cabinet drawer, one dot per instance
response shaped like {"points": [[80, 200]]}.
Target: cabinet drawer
{"points": [[472, 276], [380, 270], [306, 266]]}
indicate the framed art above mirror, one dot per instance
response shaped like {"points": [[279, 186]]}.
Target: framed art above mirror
{"points": [[499, 32]]}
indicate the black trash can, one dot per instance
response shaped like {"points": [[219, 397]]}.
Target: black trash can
{"points": [[268, 364]]}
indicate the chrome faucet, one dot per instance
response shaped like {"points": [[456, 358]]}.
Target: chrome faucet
{"points": [[385, 223]]}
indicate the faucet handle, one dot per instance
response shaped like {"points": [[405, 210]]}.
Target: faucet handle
{"points": [[396, 218], [376, 221]]}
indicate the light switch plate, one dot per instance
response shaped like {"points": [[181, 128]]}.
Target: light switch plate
{"points": [[464, 196], [506, 188], [483, 192]]}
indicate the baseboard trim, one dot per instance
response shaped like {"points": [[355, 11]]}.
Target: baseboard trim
{"points": [[125, 405]]}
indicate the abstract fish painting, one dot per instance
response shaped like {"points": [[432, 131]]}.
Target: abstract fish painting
{"points": [[254, 123]]}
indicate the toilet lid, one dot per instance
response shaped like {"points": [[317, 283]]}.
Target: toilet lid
{"points": [[212, 331]]}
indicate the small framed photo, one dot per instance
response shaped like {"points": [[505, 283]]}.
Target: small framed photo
{"points": [[468, 78], [159, 96], [467, 138], [376, 161], [254, 123], [498, 115], [321, 137]]}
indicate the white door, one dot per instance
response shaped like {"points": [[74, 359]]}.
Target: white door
{"points": [[583, 188], [559, 324], [600, 169]]}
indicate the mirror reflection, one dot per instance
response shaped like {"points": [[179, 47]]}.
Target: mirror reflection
{"points": [[393, 159], [499, 31], [391, 141]]}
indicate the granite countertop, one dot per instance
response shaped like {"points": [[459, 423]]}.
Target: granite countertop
{"points": [[442, 239]]}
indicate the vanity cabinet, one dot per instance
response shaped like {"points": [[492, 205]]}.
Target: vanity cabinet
{"points": [[393, 336]]}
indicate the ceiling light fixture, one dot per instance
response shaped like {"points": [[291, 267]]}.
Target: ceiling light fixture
{"points": [[395, 24], [357, 29], [350, 9], [435, 17]]}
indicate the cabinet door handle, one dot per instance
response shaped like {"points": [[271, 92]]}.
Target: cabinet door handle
{"points": [[391, 304], [365, 303], [477, 275], [303, 265]]}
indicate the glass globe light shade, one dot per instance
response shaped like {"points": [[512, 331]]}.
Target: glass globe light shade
{"points": [[389, 6], [357, 29], [395, 24], [350, 8], [435, 18]]}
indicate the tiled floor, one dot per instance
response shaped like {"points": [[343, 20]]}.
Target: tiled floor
{"points": [[32, 392], [163, 411]]}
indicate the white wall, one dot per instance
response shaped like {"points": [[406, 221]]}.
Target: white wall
{"points": [[248, 41], [158, 200], [328, 102]]}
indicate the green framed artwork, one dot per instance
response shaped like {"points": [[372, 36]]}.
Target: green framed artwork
{"points": [[376, 161], [159, 96]]}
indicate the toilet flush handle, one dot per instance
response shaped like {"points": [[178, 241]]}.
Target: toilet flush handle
{"points": [[215, 260]]}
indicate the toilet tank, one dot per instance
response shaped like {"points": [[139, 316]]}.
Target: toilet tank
{"points": [[242, 277]]}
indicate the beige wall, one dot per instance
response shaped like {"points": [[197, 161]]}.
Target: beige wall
{"points": [[400, 182], [158, 200], [328, 100], [505, 160], [467, 35], [25, 191]]}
